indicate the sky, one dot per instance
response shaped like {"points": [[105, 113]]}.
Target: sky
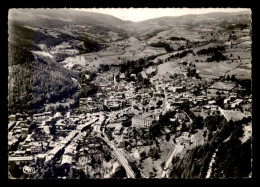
{"points": [[140, 14]]}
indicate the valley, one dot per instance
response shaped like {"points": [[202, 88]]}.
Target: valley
{"points": [[93, 96]]}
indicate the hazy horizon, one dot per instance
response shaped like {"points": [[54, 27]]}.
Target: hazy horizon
{"points": [[142, 14]]}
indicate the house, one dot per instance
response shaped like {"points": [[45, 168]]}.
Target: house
{"points": [[236, 103], [37, 147], [144, 75], [226, 101], [97, 130], [212, 102], [122, 76], [20, 145], [126, 133], [24, 130], [41, 156], [178, 89], [19, 153], [52, 144], [12, 117], [60, 124], [184, 139], [18, 131], [172, 119], [214, 107], [133, 75], [28, 151], [57, 116], [28, 140], [66, 159]]}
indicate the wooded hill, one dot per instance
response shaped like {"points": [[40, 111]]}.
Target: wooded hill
{"points": [[34, 80]]}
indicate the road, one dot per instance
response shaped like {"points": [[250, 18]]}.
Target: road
{"points": [[118, 153], [177, 149], [210, 164], [120, 157]]}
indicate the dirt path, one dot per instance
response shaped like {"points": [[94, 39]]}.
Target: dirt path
{"points": [[177, 149]]}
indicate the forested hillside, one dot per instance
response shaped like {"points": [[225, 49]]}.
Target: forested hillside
{"points": [[33, 81], [28, 38]]}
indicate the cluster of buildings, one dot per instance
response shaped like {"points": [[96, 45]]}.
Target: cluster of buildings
{"points": [[41, 143], [185, 139], [18, 127]]}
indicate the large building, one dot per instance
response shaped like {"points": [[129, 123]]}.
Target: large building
{"points": [[140, 122]]}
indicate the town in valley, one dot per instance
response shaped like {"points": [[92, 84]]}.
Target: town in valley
{"points": [[91, 96]]}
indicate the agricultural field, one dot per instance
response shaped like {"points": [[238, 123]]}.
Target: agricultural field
{"points": [[170, 68]]}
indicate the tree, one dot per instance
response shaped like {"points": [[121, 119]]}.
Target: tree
{"points": [[159, 103], [107, 157], [168, 136], [228, 78], [32, 126], [233, 78], [82, 175], [53, 129], [163, 164], [127, 123], [14, 170], [154, 153], [119, 173], [218, 93], [143, 155]]}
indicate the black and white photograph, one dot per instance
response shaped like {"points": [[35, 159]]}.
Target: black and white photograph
{"points": [[129, 93]]}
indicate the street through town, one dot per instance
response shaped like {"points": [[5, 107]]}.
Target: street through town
{"points": [[120, 157]]}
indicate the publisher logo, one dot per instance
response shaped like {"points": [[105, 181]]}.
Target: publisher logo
{"points": [[28, 170]]}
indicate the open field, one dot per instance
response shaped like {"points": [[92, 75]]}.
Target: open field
{"points": [[207, 69], [223, 85], [241, 73], [170, 67], [148, 163], [215, 68]]}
